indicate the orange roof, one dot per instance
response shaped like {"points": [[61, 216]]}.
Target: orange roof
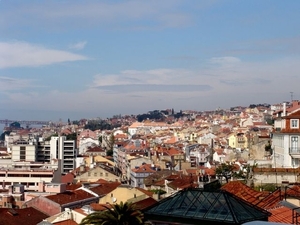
{"points": [[241, 190], [26, 216], [105, 188], [149, 193], [145, 203], [281, 214], [69, 196], [146, 168], [271, 200]]}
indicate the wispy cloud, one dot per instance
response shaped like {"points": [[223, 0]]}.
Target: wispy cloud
{"points": [[263, 47], [225, 61], [121, 14], [148, 77], [155, 88], [78, 46], [8, 83], [21, 54]]}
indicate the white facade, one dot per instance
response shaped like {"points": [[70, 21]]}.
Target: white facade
{"points": [[63, 149], [24, 151], [29, 174], [286, 137], [59, 148]]}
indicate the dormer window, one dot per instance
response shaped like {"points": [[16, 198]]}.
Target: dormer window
{"points": [[294, 123]]}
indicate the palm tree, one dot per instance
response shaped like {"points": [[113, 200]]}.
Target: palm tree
{"points": [[118, 214]]}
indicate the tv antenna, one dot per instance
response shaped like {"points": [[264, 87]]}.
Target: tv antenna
{"points": [[292, 94]]}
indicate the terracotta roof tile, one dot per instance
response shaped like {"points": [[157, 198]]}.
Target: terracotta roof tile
{"points": [[281, 214], [69, 196], [105, 188], [149, 193], [26, 216], [243, 191], [141, 205], [99, 207]]}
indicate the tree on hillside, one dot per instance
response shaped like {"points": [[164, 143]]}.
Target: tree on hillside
{"points": [[2, 137], [118, 214], [15, 125], [225, 171]]}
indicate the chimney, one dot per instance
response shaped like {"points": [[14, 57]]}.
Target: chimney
{"points": [[41, 186], [284, 109]]}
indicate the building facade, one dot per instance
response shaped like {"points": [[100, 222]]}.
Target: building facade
{"points": [[286, 137]]}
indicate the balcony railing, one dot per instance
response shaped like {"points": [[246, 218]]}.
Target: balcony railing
{"points": [[294, 151]]}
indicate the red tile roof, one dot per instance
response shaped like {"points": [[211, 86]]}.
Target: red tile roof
{"points": [[271, 200], [73, 186], [145, 203], [70, 196], [95, 149], [243, 191], [26, 216], [184, 182], [149, 193], [100, 207], [68, 178], [105, 188], [281, 214], [146, 168]]}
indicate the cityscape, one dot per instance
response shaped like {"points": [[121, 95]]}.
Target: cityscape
{"points": [[64, 172], [161, 112]]}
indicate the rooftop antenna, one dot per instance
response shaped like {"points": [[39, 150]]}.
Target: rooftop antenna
{"points": [[292, 93]]}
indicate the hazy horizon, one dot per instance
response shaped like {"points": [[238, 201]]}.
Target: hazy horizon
{"points": [[75, 59]]}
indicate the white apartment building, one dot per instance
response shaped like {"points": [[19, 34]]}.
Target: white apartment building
{"points": [[29, 174], [65, 150], [286, 137], [24, 151]]}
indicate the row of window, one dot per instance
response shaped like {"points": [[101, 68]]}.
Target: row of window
{"points": [[96, 174]]}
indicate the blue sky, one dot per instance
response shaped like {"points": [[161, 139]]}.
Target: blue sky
{"points": [[85, 59]]}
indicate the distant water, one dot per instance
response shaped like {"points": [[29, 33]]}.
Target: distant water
{"points": [[3, 125]]}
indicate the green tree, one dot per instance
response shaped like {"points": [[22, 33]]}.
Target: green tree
{"points": [[72, 136], [2, 137], [225, 170], [118, 214], [49, 138], [15, 125]]}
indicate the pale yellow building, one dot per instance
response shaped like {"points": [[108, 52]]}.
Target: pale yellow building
{"points": [[238, 140], [125, 193], [97, 173]]}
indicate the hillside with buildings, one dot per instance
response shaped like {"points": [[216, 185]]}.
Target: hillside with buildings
{"points": [[63, 172]]}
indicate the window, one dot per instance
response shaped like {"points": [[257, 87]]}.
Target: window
{"points": [[294, 123], [294, 144]]}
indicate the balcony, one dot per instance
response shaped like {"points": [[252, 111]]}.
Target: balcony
{"points": [[294, 152]]}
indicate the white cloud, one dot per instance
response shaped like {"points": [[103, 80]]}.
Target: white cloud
{"points": [[20, 54], [243, 84], [148, 77], [78, 45], [8, 83]]}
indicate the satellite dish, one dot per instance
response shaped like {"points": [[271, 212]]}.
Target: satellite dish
{"points": [[114, 200]]}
